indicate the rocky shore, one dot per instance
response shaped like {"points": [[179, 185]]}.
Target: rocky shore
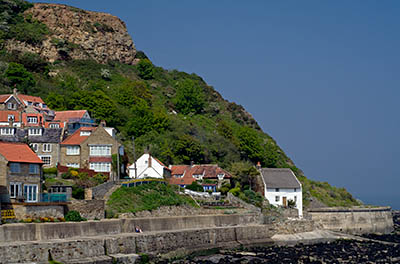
{"points": [[372, 248]]}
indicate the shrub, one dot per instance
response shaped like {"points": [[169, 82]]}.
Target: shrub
{"points": [[78, 192], [74, 216], [194, 186], [50, 170], [146, 69], [235, 191]]}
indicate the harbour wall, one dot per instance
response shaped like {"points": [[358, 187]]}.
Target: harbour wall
{"points": [[354, 220]]}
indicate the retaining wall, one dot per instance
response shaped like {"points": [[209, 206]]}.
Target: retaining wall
{"points": [[47, 231], [354, 220]]}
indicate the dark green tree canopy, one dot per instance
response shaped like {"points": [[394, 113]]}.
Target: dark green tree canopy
{"points": [[189, 97]]}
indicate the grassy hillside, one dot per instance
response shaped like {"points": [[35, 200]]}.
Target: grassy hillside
{"points": [[145, 197], [175, 115]]}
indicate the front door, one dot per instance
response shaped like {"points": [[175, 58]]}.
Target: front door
{"points": [[31, 193], [284, 201]]}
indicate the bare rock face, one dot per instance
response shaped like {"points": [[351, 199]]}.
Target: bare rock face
{"points": [[79, 34]]}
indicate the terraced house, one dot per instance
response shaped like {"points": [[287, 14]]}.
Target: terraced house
{"points": [[20, 173], [90, 148]]}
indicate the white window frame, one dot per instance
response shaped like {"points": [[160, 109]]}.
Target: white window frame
{"points": [[12, 117], [100, 166], [46, 147], [73, 165], [54, 125], [73, 150], [30, 194], [15, 189], [35, 147], [44, 157], [11, 106], [34, 131], [277, 198], [32, 119], [85, 133], [7, 131], [100, 150]]}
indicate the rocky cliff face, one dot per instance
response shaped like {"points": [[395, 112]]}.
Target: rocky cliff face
{"points": [[78, 34]]}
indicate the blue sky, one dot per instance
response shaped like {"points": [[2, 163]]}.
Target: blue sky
{"points": [[321, 77]]}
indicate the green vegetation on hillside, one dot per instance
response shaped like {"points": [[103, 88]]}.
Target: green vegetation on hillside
{"points": [[175, 115], [146, 197]]}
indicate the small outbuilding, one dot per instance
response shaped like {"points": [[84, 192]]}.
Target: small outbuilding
{"points": [[282, 188]]}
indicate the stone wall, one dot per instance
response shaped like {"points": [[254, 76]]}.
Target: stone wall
{"points": [[23, 211], [354, 220], [99, 191], [89, 209], [47, 231], [238, 202]]}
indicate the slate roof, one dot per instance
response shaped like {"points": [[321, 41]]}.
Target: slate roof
{"points": [[76, 138], [18, 152], [279, 178], [49, 135]]}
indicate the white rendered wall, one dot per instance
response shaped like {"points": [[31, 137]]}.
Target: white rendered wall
{"points": [[144, 171], [290, 194]]}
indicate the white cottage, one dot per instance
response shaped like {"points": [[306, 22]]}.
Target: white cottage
{"points": [[148, 167], [280, 186]]}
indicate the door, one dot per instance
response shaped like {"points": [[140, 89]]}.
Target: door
{"points": [[284, 201], [31, 193]]}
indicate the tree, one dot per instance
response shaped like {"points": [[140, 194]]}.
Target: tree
{"points": [[189, 97], [188, 149], [244, 173], [251, 144], [194, 186], [146, 69], [55, 101], [19, 76]]}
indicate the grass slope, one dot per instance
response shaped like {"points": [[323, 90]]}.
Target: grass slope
{"points": [[146, 197]]}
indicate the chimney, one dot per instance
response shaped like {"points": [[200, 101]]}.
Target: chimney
{"points": [[191, 163], [15, 91], [149, 163], [258, 166], [103, 123]]}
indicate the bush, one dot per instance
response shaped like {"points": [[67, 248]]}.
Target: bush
{"points": [[146, 69], [78, 192], [74, 216], [194, 186], [50, 170]]}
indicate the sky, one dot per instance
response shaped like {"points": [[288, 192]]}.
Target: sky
{"points": [[321, 77]]}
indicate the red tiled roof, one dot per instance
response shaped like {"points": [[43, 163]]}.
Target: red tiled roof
{"points": [[210, 171], [4, 97], [162, 164], [76, 138], [66, 115], [34, 99], [18, 152], [4, 116], [100, 159]]}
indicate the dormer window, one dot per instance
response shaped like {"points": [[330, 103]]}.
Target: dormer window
{"points": [[11, 118], [197, 176], [85, 133], [178, 175], [32, 119], [34, 131], [29, 103], [44, 106], [220, 176], [54, 125], [11, 106]]}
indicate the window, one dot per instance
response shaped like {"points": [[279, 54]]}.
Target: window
{"points": [[100, 167], [30, 192], [34, 132], [7, 131], [33, 169], [35, 147], [85, 133], [47, 147], [276, 198], [32, 119], [44, 106], [73, 165], [11, 118], [178, 175], [29, 103], [276, 189], [15, 189], [295, 198], [72, 150], [295, 189], [15, 168], [46, 159], [11, 106], [100, 150], [54, 125], [221, 176]]}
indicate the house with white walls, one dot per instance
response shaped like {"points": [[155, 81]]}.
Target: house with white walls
{"points": [[148, 167], [282, 186]]}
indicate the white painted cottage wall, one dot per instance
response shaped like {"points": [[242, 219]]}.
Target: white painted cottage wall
{"points": [[290, 194], [144, 171]]}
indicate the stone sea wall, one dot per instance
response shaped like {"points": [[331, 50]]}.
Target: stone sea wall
{"points": [[354, 220]]}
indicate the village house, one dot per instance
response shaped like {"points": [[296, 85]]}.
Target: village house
{"points": [[210, 176], [281, 186], [148, 167], [90, 148], [20, 173], [72, 120]]}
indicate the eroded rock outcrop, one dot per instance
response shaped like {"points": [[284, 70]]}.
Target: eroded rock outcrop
{"points": [[79, 34]]}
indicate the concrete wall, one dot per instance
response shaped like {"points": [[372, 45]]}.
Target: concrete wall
{"points": [[354, 220], [46, 231]]}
